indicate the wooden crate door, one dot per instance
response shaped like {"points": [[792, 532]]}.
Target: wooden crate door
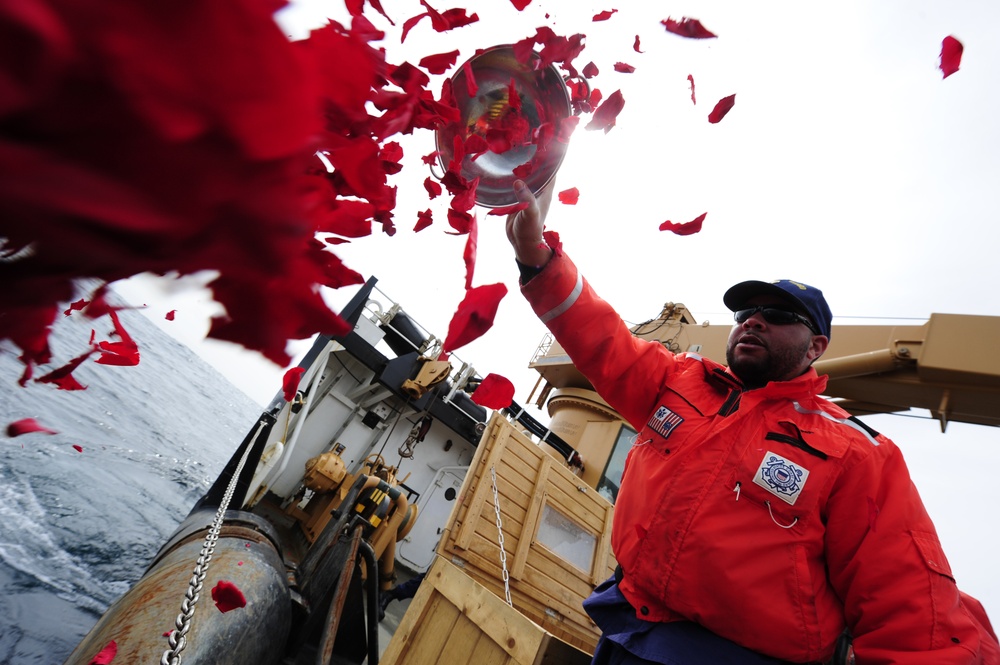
{"points": [[556, 532]]}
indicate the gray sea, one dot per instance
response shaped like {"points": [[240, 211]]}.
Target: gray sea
{"points": [[78, 528]]}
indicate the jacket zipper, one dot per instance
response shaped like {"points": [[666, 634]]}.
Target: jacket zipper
{"points": [[732, 402], [798, 443]]}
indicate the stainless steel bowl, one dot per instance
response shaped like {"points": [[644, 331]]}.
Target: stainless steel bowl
{"points": [[544, 98]]}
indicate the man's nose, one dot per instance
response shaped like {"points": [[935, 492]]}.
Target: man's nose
{"points": [[755, 320]]}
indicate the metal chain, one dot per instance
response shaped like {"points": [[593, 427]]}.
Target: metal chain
{"points": [[178, 637], [503, 553]]}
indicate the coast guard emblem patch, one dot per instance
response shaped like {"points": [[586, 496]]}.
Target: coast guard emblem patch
{"points": [[781, 477], [664, 421]]}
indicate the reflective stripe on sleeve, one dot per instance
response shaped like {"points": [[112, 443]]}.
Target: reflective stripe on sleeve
{"points": [[565, 304]]}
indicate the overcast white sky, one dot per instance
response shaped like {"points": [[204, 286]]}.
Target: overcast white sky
{"points": [[847, 162]]}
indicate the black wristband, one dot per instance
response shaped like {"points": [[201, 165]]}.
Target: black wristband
{"points": [[527, 272]]}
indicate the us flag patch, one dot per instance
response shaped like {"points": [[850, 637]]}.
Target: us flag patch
{"points": [[664, 421]]}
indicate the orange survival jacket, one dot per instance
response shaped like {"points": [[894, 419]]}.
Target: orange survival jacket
{"points": [[769, 516]]}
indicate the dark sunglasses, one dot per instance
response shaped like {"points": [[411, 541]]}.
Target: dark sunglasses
{"points": [[775, 315]]}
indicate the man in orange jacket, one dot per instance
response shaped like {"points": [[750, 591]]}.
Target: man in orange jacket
{"points": [[757, 523]]}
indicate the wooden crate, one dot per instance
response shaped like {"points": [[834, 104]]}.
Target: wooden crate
{"points": [[533, 488], [453, 620]]}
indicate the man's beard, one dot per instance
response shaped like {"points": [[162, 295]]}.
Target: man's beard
{"points": [[757, 372]]}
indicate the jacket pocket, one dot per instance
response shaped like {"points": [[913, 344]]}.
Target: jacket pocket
{"points": [[785, 483]]}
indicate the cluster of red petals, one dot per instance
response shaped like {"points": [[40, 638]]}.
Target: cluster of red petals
{"points": [[494, 392], [356, 7], [27, 426], [556, 49], [200, 161], [688, 27], [474, 315], [685, 229], [105, 655], [951, 55], [569, 196], [722, 107], [124, 352], [290, 382], [227, 596], [440, 21]]}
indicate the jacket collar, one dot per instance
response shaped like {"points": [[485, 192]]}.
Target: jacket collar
{"points": [[807, 384]]}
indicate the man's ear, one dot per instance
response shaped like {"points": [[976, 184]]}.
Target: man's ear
{"points": [[817, 347]]}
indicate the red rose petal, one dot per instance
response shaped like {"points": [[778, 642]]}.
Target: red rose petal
{"points": [[290, 382], [227, 596], [565, 128], [686, 229], [171, 315], [460, 221], [951, 55], [508, 210], [469, 255], [494, 392], [76, 306], [569, 196], [424, 219], [691, 81], [474, 315], [476, 146], [722, 107], [433, 187], [552, 240], [590, 70], [78, 448], [624, 68], [63, 377], [105, 655], [465, 200], [688, 27], [27, 426], [348, 218], [606, 114], [635, 45], [605, 15], [513, 96], [439, 63], [519, 5]]}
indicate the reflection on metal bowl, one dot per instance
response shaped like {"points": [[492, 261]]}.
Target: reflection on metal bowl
{"points": [[544, 99]]}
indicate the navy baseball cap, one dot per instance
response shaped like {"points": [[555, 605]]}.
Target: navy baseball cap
{"points": [[808, 299]]}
